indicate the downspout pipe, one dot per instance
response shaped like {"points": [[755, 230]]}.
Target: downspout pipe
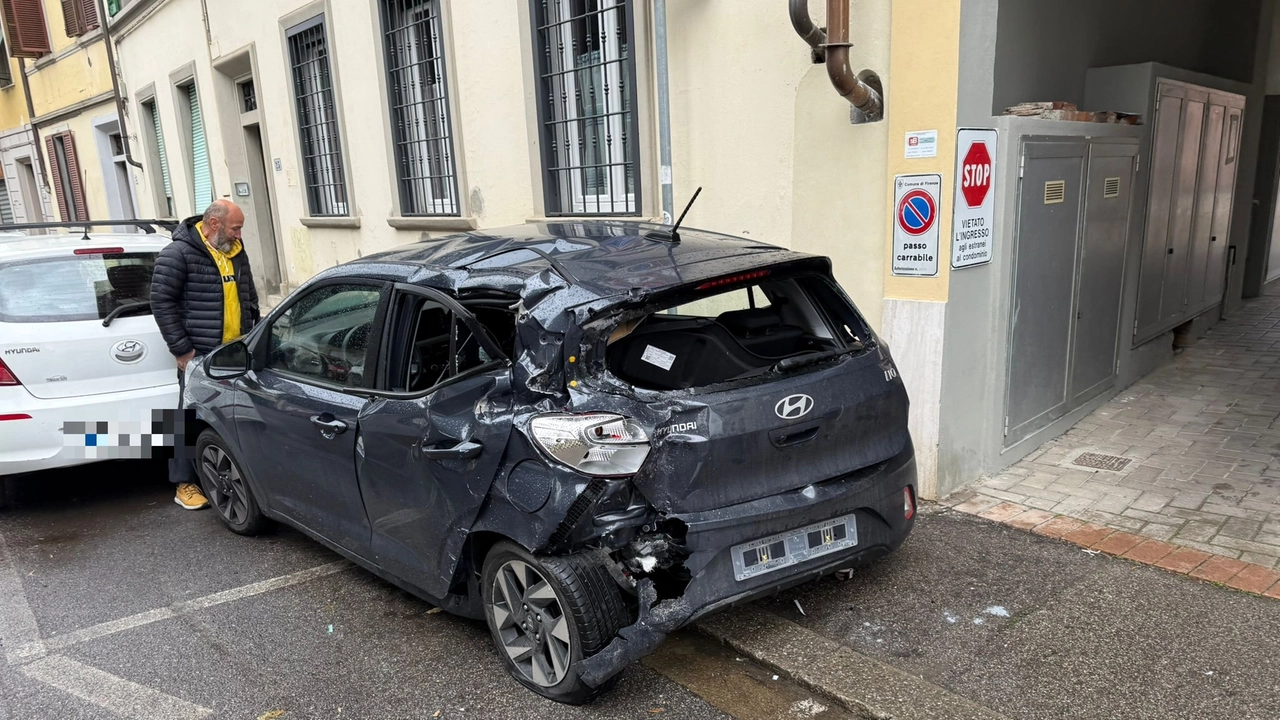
{"points": [[810, 33], [115, 84], [850, 86], [31, 120], [664, 110]]}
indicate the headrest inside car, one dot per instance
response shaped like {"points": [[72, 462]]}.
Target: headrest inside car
{"points": [[131, 280], [749, 321]]}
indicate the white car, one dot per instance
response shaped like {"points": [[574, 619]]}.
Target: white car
{"points": [[82, 362]]}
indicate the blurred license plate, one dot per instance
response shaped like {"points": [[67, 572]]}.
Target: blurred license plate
{"points": [[785, 549]]}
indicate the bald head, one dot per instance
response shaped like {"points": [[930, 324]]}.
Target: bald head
{"points": [[223, 222]]}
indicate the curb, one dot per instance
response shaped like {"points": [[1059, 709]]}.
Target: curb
{"points": [[866, 687], [1235, 574]]}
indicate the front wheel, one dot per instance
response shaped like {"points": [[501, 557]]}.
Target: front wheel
{"points": [[226, 488], [547, 614]]}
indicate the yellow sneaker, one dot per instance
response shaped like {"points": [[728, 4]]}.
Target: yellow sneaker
{"points": [[190, 497]]}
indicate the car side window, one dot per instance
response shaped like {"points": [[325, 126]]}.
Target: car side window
{"points": [[432, 344], [325, 335]]}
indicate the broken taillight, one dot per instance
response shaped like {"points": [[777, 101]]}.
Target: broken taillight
{"points": [[908, 503], [599, 444], [6, 375]]}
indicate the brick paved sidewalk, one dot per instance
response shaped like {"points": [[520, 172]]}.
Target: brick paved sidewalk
{"points": [[1203, 447]]}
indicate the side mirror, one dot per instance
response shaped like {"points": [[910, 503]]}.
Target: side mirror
{"points": [[228, 362]]}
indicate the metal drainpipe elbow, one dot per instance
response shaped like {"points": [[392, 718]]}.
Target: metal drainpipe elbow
{"points": [[810, 33], [862, 95]]}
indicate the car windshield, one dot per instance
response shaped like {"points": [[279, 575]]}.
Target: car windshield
{"points": [[78, 287]]}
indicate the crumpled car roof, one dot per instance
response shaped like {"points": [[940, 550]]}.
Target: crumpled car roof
{"points": [[603, 258]]}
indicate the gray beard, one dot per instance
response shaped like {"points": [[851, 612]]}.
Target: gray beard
{"points": [[221, 245]]}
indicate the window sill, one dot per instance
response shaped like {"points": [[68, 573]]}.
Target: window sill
{"points": [[595, 218], [342, 223], [432, 223], [81, 42]]}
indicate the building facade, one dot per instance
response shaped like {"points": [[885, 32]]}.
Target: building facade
{"points": [[346, 128], [61, 142]]}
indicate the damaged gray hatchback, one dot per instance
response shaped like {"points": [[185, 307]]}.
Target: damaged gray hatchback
{"points": [[587, 434]]}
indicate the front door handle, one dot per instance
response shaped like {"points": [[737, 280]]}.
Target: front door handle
{"points": [[330, 428], [465, 450]]}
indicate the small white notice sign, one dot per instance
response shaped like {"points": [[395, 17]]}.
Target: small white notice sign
{"points": [[659, 357], [922, 144], [915, 224], [973, 227]]}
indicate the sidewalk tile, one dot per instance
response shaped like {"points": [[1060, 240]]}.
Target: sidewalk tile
{"points": [[1029, 519], [1058, 527], [1183, 560], [1254, 579], [1118, 543], [1149, 552], [1002, 512], [1088, 535], [1218, 569]]}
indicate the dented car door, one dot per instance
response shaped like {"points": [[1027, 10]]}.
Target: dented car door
{"points": [[427, 458]]}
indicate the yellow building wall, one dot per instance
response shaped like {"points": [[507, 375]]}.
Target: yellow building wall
{"points": [[925, 62], [75, 78], [13, 104]]}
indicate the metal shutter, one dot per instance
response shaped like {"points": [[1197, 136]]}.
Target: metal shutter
{"points": [[24, 24], [52, 143], [164, 158], [77, 179], [6, 208], [200, 170], [89, 15], [72, 17]]}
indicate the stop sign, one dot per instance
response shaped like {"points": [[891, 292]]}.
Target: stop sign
{"points": [[975, 176]]}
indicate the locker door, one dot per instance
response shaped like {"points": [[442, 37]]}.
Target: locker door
{"points": [[1173, 301], [1164, 158], [1216, 272], [1107, 207], [1043, 285], [1206, 196]]}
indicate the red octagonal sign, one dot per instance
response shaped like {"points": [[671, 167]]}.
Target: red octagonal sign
{"points": [[975, 180]]}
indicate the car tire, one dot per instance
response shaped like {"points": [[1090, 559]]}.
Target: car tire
{"points": [[223, 483], [580, 591]]}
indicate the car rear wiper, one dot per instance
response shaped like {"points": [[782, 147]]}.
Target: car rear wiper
{"points": [[792, 363], [145, 304]]}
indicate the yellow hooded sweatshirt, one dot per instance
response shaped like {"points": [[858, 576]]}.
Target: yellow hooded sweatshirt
{"points": [[230, 291]]}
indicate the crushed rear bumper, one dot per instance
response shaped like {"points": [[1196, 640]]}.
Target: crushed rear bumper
{"points": [[874, 496]]}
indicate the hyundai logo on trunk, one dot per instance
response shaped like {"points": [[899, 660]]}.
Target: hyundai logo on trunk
{"points": [[793, 407], [128, 351]]}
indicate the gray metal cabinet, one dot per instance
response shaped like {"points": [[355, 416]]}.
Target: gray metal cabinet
{"points": [[1075, 199], [1187, 179]]}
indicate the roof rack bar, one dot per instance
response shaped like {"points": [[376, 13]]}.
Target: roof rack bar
{"points": [[147, 226]]}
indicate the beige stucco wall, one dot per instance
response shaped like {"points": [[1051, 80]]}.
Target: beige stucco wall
{"points": [[82, 130], [754, 123]]}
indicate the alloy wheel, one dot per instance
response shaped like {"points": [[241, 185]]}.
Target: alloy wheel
{"points": [[225, 485], [531, 624]]}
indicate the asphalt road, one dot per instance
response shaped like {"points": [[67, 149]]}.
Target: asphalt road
{"points": [[115, 603]]}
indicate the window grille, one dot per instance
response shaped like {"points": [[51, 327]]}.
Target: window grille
{"points": [[420, 123], [317, 119], [248, 97], [586, 107]]}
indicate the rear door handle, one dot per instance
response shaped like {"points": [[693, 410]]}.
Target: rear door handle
{"points": [[465, 450], [330, 428]]}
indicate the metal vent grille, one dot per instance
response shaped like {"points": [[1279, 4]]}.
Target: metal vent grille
{"points": [[1111, 188], [1098, 461], [1055, 191]]}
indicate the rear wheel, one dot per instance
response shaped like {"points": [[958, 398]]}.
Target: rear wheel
{"points": [[547, 614], [226, 488]]}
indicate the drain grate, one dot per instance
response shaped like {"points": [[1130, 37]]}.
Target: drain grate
{"points": [[1098, 461]]}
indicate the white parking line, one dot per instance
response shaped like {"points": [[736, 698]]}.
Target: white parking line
{"points": [[94, 632], [19, 633], [117, 695]]}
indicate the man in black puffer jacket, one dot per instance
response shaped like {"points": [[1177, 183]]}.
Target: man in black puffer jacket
{"points": [[202, 296]]}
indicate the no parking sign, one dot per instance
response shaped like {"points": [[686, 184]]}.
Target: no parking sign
{"points": [[915, 225]]}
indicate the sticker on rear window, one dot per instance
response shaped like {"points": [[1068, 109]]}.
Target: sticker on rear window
{"points": [[658, 356]]}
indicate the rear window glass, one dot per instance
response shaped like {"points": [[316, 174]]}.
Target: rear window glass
{"points": [[83, 287]]}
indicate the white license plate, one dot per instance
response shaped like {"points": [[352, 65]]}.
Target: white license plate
{"points": [[785, 549]]}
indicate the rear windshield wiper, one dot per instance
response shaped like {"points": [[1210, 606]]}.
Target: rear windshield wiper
{"points": [[792, 363], [144, 305]]}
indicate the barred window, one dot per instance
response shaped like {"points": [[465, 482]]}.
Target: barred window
{"points": [[317, 119], [420, 124], [586, 106]]}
